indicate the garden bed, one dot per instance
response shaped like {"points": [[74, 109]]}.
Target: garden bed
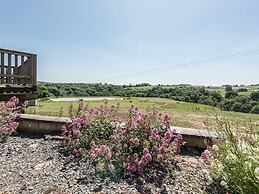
{"points": [[36, 165]]}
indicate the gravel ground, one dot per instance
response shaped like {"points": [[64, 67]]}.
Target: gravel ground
{"points": [[34, 165]]}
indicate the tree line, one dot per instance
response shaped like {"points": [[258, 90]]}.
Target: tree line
{"points": [[231, 101]]}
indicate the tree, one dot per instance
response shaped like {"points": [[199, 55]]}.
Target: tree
{"points": [[255, 96], [255, 109], [231, 94], [228, 88]]}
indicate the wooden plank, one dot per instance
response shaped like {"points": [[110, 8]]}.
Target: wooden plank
{"points": [[7, 51], [34, 70], [9, 71], [2, 68], [16, 90], [16, 76], [22, 63], [15, 68]]}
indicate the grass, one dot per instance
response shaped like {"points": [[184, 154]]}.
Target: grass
{"points": [[222, 89], [183, 114]]}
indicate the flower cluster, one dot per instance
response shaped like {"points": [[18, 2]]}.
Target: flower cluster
{"points": [[234, 160], [129, 144], [8, 114]]}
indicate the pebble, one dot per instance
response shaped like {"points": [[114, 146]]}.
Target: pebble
{"points": [[36, 166]]}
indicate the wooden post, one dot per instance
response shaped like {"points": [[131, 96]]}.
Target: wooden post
{"points": [[2, 69], [9, 71], [22, 63], [16, 69], [34, 71]]}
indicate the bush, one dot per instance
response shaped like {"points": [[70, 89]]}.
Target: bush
{"points": [[255, 96], [255, 109], [234, 160], [122, 144], [242, 90], [8, 113], [231, 94]]}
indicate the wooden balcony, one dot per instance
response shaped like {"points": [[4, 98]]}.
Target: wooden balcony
{"points": [[18, 74]]}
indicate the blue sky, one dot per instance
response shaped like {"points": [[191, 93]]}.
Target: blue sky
{"points": [[89, 41]]}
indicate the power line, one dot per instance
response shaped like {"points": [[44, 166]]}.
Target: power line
{"points": [[189, 64]]}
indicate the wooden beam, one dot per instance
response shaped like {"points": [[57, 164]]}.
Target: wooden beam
{"points": [[2, 68], [8, 51], [15, 68], [17, 76], [9, 71]]}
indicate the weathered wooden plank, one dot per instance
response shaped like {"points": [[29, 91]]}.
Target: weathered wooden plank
{"points": [[15, 68], [16, 90], [9, 71], [2, 68], [7, 51], [22, 63], [34, 70], [16, 76]]}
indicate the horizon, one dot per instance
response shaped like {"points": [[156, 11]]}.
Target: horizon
{"points": [[88, 41], [252, 84]]}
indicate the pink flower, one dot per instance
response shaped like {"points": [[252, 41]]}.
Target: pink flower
{"points": [[154, 148], [141, 164], [154, 131], [160, 157], [162, 150], [136, 141], [92, 144], [113, 137], [111, 167], [92, 155], [109, 155], [122, 158], [167, 135], [103, 148], [125, 146], [145, 151], [205, 155], [148, 157], [97, 151]]}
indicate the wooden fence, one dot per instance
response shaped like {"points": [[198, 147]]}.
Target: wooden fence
{"points": [[18, 73]]}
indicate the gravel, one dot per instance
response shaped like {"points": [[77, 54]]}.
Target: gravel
{"points": [[35, 165]]}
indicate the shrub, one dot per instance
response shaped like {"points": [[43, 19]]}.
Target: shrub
{"points": [[122, 144], [231, 94], [242, 90], [8, 113], [235, 160], [255, 96], [255, 109]]}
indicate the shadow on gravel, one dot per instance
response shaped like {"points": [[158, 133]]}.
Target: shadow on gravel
{"points": [[154, 177]]}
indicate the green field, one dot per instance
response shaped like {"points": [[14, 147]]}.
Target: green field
{"points": [[222, 89], [210, 88], [183, 114]]}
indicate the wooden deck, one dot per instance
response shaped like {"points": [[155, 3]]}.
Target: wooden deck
{"points": [[18, 74]]}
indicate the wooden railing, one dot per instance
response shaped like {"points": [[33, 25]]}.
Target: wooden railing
{"points": [[18, 69]]}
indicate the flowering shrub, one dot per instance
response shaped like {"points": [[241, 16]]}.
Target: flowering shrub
{"points": [[234, 160], [122, 144], [8, 113]]}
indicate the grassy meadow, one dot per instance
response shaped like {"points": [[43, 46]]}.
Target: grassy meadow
{"points": [[183, 114]]}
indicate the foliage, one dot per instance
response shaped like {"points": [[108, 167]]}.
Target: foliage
{"points": [[234, 159], [228, 88], [187, 93], [231, 94], [255, 109], [119, 144], [255, 96], [8, 114]]}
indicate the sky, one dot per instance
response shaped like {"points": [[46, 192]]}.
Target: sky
{"points": [[100, 40]]}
